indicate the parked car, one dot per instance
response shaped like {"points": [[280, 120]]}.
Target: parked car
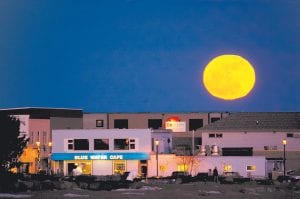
{"points": [[294, 175], [232, 178], [291, 175], [180, 177]]}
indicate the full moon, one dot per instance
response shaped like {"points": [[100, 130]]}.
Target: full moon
{"points": [[229, 77]]}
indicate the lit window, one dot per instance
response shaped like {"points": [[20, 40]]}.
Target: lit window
{"points": [[99, 123], [251, 168], [182, 167], [227, 168], [162, 168]]}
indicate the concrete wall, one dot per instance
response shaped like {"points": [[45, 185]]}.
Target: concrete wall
{"points": [[66, 123], [89, 120]]}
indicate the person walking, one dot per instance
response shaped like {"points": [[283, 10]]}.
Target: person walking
{"points": [[216, 175]]}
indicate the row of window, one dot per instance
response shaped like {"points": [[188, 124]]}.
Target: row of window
{"points": [[194, 124], [101, 144], [38, 137], [215, 135]]}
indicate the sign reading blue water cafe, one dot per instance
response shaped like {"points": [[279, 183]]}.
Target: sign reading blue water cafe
{"points": [[100, 156]]}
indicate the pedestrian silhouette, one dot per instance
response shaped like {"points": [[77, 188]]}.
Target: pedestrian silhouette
{"points": [[216, 175]]}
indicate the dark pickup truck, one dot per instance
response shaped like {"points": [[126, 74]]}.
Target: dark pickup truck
{"points": [[232, 178], [180, 177]]}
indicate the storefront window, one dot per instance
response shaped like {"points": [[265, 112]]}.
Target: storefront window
{"points": [[79, 168], [101, 144], [119, 166]]}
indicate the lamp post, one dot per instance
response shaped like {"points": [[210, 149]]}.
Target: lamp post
{"points": [[49, 158], [284, 143], [156, 144], [38, 144]]}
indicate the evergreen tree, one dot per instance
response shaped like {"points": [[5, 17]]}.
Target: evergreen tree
{"points": [[11, 143]]}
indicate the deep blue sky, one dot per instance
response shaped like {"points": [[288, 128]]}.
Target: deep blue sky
{"points": [[145, 56]]}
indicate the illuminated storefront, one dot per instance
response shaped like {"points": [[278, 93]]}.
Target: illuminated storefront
{"points": [[101, 151]]}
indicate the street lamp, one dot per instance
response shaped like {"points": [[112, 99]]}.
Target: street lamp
{"points": [[38, 144], [156, 144], [49, 158], [284, 143]]}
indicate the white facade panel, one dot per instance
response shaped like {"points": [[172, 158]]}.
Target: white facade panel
{"points": [[237, 164], [257, 140], [142, 137], [102, 167], [24, 124]]}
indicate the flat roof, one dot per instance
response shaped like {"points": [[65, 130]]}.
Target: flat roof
{"points": [[44, 113]]}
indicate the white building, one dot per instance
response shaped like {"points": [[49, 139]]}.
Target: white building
{"points": [[105, 151], [261, 132]]}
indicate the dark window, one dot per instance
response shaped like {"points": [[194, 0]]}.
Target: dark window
{"points": [[154, 123], [132, 144], [99, 123], [81, 144], [212, 135], [290, 135], [121, 124], [198, 141], [195, 124], [220, 135], [101, 144], [213, 119], [70, 145], [121, 144]]}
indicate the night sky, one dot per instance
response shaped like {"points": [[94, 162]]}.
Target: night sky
{"points": [[145, 56]]}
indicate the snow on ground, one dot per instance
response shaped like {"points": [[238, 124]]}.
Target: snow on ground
{"points": [[8, 195], [75, 195]]}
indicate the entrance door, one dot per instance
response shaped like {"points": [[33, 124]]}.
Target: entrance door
{"points": [[143, 168], [71, 166]]}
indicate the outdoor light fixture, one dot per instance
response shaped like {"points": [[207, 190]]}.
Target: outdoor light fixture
{"points": [[38, 144], [156, 144], [49, 158], [284, 143]]}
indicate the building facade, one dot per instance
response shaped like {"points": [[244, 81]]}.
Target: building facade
{"points": [[185, 127], [101, 151], [262, 133], [37, 125]]}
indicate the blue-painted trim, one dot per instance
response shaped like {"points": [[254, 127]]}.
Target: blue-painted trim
{"points": [[100, 156]]}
